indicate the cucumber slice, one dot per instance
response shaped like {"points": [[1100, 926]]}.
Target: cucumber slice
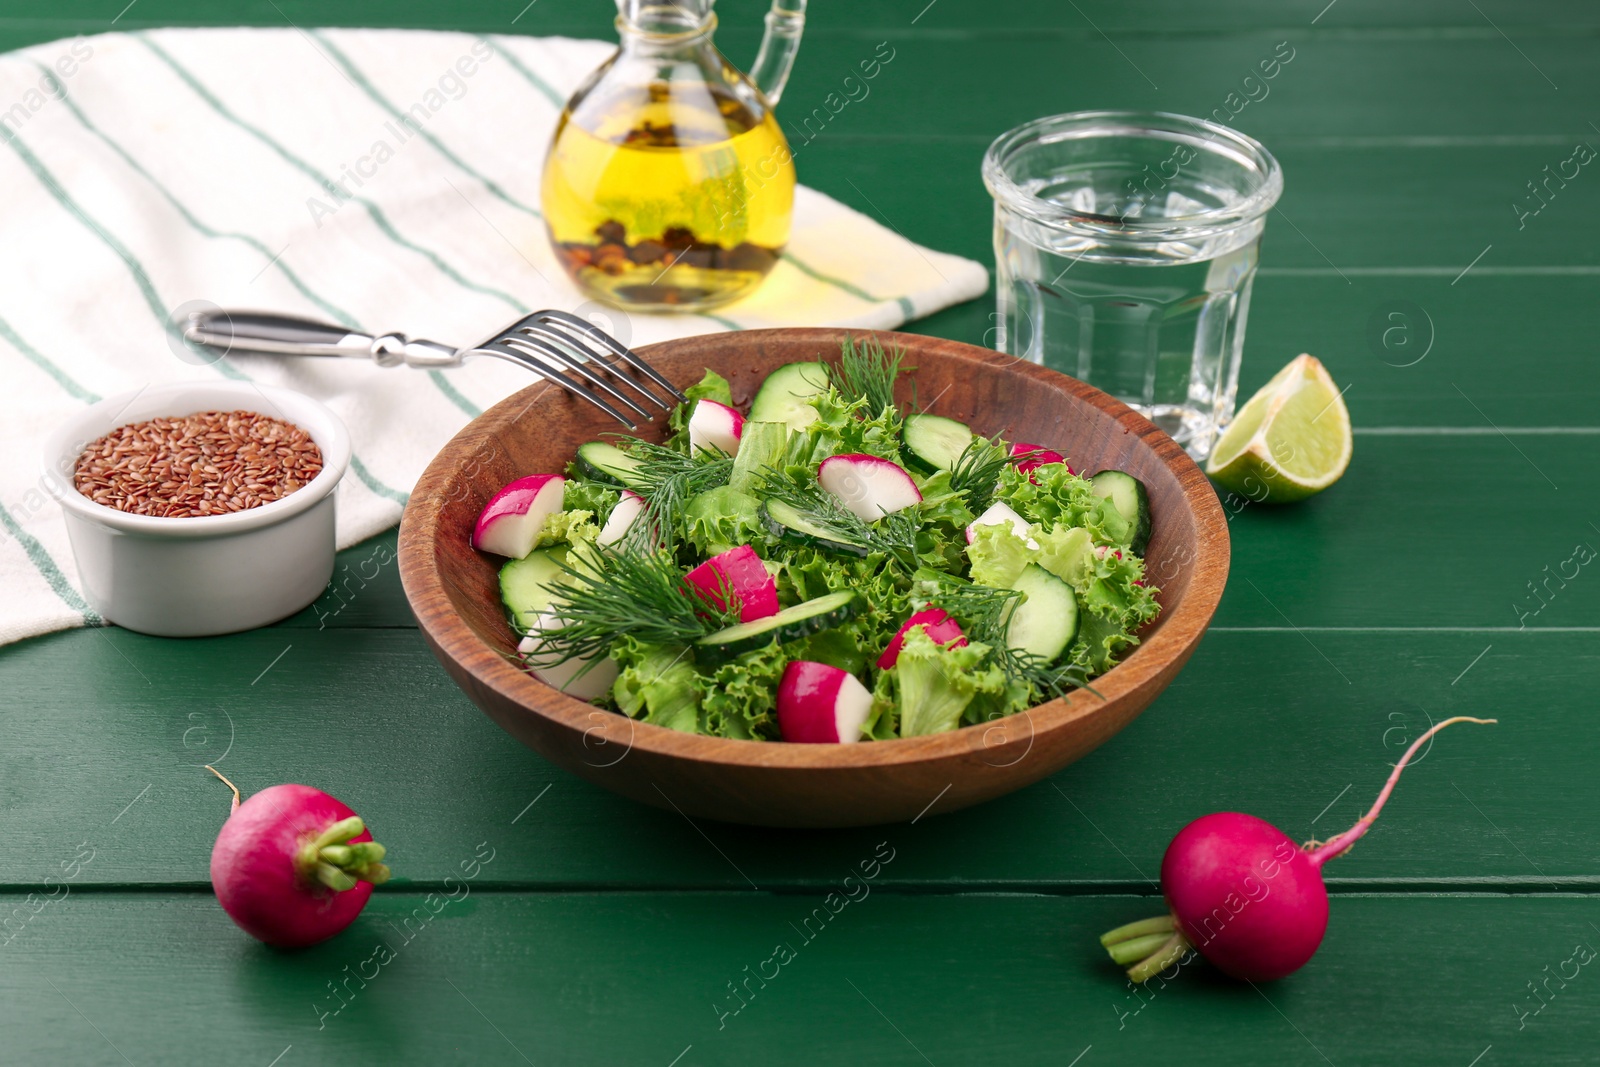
{"points": [[609, 464], [785, 395], [1046, 621], [525, 585], [934, 443], [792, 525], [1127, 494], [790, 624]]}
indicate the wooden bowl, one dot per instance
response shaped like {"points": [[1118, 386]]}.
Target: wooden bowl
{"points": [[453, 591]]}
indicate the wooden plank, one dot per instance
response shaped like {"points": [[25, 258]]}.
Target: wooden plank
{"points": [[892, 979], [94, 753]]}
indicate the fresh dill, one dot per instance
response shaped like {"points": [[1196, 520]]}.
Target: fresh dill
{"points": [[976, 473], [986, 612], [894, 535], [669, 479], [607, 593], [866, 371]]}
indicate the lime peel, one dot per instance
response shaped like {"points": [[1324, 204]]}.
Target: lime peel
{"points": [[1291, 440]]}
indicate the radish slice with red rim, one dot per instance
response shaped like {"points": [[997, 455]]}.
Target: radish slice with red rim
{"points": [[716, 427], [510, 522], [737, 577], [622, 517], [821, 704], [939, 626], [870, 487]]}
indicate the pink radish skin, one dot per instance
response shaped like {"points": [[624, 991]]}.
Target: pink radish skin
{"points": [[716, 427], [741, 574], [821, 704], [622, 518], [1040, 456], [1242, 894], [278, 859], [940, 627], [510, 523], [868, 486]]}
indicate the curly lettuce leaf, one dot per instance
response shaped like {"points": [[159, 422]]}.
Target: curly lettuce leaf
{"points": [[998, 556], [1051, 495], [933, 685], [658, 684], [1112, 605], [723, 518], [741, 696]]}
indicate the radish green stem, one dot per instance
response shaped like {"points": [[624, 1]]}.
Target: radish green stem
{"points": [[1136, 948], [230, 785], [339, 865], [1171, 951], [1341, 844], [1161, 924]]}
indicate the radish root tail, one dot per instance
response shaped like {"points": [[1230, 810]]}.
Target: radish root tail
{"points": [[1339, 845], [230, 785]]}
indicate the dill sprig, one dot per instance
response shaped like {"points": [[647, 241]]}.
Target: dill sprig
{"points": [[976, 473], [668, 479], [894, 535], [607, 593], [866, 371], [986, 611]]}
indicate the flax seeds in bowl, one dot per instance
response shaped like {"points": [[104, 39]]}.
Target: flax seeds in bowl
{"points": [[189, 466]]}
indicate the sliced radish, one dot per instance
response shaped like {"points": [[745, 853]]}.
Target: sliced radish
{"points": [[565, 676], [741, 574], [622, 517], [819, 704], [868, 486], [940, 627], [715, 426], [510, 522], [1001, 515]]}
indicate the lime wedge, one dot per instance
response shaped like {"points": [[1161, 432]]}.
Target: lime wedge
{"points": [[1290, 441]]}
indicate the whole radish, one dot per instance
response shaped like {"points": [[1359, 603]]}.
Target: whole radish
{"points": [[293, 866], [1242, 894]]}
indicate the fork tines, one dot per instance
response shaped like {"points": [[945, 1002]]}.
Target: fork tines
{"points": [[558, 345]]}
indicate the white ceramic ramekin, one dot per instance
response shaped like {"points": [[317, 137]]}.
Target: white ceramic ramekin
{"points": [[213, 574]]}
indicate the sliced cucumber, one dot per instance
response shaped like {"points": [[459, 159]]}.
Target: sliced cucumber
{"points": [[1127, 494], [1046, 621], [785, 395], [794, 526], [601, 462], [790, 624], [525, 585], [934, 443]]}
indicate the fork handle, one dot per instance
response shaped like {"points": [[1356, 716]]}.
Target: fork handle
{"points": [[258, 331]]}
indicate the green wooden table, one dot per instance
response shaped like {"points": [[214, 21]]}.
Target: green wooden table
{"points": [[602, 932]]}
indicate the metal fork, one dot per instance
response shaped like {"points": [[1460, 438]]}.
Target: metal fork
{"points": [[558, 346]]}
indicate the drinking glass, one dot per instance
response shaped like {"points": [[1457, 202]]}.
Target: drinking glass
{"points": [[1125, 247]]}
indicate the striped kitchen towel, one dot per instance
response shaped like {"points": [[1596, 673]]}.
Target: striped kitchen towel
{"points": [[148, 171]]}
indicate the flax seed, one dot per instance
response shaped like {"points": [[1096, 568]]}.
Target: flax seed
{"points": [[209, 463]]}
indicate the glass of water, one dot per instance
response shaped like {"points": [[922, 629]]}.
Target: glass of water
{"points": [[1125, 247]]}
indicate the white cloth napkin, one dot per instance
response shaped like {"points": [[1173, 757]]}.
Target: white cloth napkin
{"points": [[145, 171]]}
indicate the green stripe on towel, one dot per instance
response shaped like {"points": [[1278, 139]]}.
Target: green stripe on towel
{"points": [[39, 556], [44, 363], [323, 182], [529, 76], [378, 98]]}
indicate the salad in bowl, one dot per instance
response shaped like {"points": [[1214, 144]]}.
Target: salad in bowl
{"points": [[826, 567]]}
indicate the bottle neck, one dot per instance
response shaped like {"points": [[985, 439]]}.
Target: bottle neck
{"points": [[675, 21]]}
